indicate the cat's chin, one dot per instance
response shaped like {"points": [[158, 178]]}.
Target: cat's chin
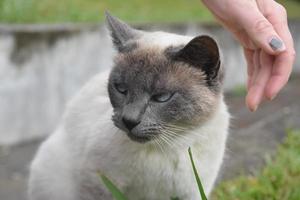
{"points": [[139, 139]]}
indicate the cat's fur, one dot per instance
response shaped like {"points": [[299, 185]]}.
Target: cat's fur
{"points": [[146, 156]]}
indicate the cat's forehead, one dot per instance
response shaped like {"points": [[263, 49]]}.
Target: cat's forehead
{"points": [[150, 67], [143, 63], [150, 49]]}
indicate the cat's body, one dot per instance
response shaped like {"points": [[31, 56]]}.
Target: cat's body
{"points": [[88, 142]]}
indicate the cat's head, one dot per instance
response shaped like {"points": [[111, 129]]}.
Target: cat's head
{"points": [[162, 83]]}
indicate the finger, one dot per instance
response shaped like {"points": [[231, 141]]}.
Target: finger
{"points": [[244, 39], [284, 62], [250, 65], [260, 30], [280, 74], [263, 73], [256, 66], [251, 95], [267, 62]]}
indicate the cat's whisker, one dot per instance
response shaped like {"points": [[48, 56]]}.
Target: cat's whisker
{"points": [[162, 149], [167, 140], [178, 129], [156, 144], [180, 139], [164, 140], [174, 133], [173, 138], [179, 143]]}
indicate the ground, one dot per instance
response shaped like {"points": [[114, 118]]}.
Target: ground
{"points": [[254, 136], [278, 180]]}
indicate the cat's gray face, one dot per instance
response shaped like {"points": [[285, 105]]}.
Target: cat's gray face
{"points": [[159, 91]]}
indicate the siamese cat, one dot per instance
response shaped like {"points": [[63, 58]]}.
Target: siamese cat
{"points": [[135, 123]]}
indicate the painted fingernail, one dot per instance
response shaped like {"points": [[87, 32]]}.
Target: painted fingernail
{"points": [[276, 44]]}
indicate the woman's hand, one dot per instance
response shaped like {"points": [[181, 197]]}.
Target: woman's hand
{"points": [[261, 27]]}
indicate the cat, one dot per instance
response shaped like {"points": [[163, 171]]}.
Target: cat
{"points": [[134, 124]]}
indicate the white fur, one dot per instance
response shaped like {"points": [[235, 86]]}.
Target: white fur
{"points": [[87, 142], [163, 39]]}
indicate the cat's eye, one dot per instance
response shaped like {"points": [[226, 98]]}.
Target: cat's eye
{"points": [[121, 88], [162, 97]]}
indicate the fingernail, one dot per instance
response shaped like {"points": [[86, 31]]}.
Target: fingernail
{"points": [[254, 108], [273, 97], [276, 44]]}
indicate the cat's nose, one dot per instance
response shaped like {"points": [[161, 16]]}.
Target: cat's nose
{"points": [[130, 123]]}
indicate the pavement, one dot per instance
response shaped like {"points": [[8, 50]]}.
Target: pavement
{"points": [[253, 137]]}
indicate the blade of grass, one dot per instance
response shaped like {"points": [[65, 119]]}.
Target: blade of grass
{"points": [[201, 190], [117, 194]]}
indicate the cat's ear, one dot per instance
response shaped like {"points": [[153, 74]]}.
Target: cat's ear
{"points": [[121, 33], [201, 52]]}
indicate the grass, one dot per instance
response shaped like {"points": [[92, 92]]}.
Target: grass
{"points": [[292, 6], [279, 180], [116, 193], [200, 187], [239, 91], [137, 11], [51, 11]]}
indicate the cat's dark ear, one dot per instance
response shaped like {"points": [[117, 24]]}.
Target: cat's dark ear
{"points": [[201, 52], [121, 33]]}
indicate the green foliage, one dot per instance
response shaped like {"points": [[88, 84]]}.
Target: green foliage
{"points": [[292, 7], [279, 180], [53, 11], [117, 194], [239, 91], [201, 190]]}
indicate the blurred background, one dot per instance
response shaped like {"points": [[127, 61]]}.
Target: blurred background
{"points": [[50, 48]]}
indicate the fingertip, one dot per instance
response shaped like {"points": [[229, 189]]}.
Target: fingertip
{"points": [[274, 86], [270, 95], [276, 44], [251, 103]]}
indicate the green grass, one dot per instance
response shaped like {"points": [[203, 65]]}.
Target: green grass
{"points": [[200, 187], [239, 91], [137, 11], [53, 11], [279, 180], [116, 193], [292, 6]]}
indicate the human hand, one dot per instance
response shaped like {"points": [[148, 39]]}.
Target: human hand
{"points": [[262, 29]]}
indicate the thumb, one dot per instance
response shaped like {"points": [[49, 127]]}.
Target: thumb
{"points": [[262, 33]]}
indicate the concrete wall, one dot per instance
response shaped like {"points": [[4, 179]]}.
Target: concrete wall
{"points": [[41, 67]]}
